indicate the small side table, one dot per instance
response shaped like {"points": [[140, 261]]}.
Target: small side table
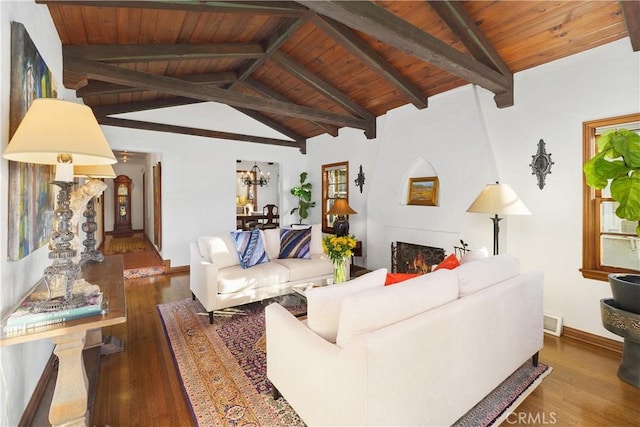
{"points": [[626, 325]]}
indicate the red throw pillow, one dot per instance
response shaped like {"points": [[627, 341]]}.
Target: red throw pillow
{"points": [[399, 277], [449, 263]]}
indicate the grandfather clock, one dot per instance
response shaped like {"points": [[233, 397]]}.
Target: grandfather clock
{"points": [[122, 204]]}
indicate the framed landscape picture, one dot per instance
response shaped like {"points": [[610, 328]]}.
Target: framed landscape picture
{"points": [[423, 191]]}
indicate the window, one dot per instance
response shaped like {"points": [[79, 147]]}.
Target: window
{"points": [[335, 185], [609, 243]]}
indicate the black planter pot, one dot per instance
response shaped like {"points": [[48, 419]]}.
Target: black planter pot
{"points": [[626, 291]]}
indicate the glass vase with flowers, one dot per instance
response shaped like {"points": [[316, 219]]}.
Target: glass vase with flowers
{"points": [[339, 249]]}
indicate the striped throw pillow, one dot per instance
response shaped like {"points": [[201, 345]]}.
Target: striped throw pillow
{"points": [[250, 248], [295, 243]]}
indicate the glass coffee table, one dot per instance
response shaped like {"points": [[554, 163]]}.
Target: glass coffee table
{"points": [[302, 288]]}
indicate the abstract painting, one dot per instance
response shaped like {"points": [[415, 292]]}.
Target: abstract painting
{"points": [[31, 197]]}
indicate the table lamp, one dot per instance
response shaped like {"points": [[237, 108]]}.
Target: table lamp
{"points": [[64, 134], [498, 199], [92, 172], [341, 208]]}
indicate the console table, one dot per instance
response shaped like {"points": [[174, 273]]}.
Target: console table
{"points": [[70, 397]]}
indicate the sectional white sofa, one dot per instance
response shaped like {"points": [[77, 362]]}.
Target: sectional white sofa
{"points": [[218, 280], [421, 352]]}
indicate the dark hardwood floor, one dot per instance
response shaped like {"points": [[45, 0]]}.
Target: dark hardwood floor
{"points": [[140, 386]]}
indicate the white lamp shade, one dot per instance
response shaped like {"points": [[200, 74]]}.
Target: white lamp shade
{"points": [[51, 127], [498, 199], [94, 171]]}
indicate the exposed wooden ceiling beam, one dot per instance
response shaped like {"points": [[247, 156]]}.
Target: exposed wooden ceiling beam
{"points": [[292, 67], [277, 8], [272, 45], [106, 110], [101, 88], [631, 12], [385, 26], [264, 90], [123, 53], [359, 48], [256, 115], [113, 74], [458, 20], [137, 124]]}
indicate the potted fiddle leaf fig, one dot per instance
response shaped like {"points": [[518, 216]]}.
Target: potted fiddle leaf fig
{"points": [[618, 162], [303, 193]]}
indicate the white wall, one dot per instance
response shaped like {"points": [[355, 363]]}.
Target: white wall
{"points": [[21, 365], [467, 142], [446, 139]]}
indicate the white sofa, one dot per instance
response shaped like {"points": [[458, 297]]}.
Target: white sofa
{"points": [[218, 280], [421, 352]]}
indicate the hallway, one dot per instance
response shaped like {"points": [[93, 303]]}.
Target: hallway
{"points": [[137, 251]]}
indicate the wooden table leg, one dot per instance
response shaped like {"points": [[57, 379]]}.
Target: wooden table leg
{"points": [[69, 404]]}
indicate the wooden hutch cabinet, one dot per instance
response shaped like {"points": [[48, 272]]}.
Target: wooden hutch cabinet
{"points": [[122, 204]]}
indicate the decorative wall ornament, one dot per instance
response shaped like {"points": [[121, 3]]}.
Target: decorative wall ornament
{"points": [[360, 179], [541, 164]]}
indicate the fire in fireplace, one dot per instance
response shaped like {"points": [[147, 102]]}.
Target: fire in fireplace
{"points": [[412, 258]]}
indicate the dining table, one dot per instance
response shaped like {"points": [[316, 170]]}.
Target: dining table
{"points": [[243, 221]]}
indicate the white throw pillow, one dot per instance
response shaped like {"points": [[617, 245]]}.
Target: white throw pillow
{"points": [[324, 303], [271, 239], [479, 274], [474, 255], [316, 239], [370, 311], [222, 251]]}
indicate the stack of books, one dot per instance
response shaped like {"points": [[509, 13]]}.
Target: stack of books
{"points": [[32, 313]]}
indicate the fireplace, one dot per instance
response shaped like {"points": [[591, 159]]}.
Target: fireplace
{"points": [[412, 258]]}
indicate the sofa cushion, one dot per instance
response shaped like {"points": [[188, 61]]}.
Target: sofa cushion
{"points": [[271, 239], [474, 254], [476, 275], [295, 243], [250, 248], [219, 250], [303, 268], [324, 303], [369, 311], [449, 263], [393, 278], [237, 279]]}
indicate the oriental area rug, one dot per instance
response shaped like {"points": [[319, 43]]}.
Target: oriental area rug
{"points": [[120, 245], [223, 369]]}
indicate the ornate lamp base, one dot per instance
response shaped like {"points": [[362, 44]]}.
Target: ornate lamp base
{"points": [[90, 253]]}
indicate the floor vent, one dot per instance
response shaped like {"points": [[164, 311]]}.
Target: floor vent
{"points": [[552, 325]]}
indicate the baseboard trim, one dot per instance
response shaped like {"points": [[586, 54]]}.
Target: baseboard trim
{"points": [[44, 385], [592, 339], [178, 269]]}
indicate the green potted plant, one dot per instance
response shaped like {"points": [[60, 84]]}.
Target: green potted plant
{"points": [[303, 193], [618, 162]]}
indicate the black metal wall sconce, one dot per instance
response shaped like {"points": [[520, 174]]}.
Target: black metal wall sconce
{"points": [[360, 179], [541, 164]]}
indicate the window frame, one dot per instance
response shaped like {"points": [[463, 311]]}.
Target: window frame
{"points": [[592, 199], [327, 224]]}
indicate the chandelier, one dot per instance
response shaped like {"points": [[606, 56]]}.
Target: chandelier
{"points": [[255, 177]]}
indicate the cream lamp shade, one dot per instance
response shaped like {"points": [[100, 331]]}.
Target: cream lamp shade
{"points": [[56, 132], [94, 171], [498, 199]]}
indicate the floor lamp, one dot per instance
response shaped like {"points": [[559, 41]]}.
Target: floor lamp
{"points": [[64, 134], [498, 199]]}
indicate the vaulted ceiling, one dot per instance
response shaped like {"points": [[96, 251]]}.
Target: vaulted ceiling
{"points": [[311, 67]]}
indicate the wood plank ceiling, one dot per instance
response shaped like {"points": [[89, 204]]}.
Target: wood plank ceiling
{"points": [[311, 67]]}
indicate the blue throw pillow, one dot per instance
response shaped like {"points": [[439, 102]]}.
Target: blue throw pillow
{"points": [[295, 243], [250, 247]]}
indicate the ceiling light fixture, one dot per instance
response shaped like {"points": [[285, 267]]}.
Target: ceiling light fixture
{"points": [[255, 177]]}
